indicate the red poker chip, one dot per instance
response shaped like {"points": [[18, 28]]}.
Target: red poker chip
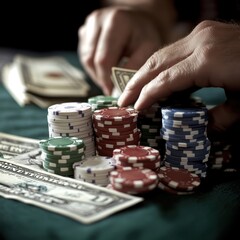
{"points": [[131, 190], [151, 165], [105, 153], [116, 133], [121, 136], [178, 178], [115, 113], [168, 189], [135, 152], [111, 129], [116, 122], [112, 146], [133, 177], [117, 142]]}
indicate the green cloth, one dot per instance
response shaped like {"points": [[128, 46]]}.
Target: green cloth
{"points": [[211, 213]]}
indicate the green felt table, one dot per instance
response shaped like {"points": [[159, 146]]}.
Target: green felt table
{"points": [[213, 212]]}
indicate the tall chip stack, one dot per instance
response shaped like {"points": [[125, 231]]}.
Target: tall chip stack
{"points": [[72, 119], [187, 144], [115, 127], [150, 124]]}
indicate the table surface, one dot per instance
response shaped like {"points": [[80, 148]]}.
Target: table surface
{"points": [[211, 213]]}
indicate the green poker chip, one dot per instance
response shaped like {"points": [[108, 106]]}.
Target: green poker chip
{"points": [[63, 161], [103, 100], [61, 144], [66, 154], [57, 168], [51, 165]]}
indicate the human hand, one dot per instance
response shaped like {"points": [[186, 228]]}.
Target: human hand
{"points": [[111, 33], [208, 57]]}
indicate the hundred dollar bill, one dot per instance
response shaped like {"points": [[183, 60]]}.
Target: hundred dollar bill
{"points": [[78, 200], [11, 145], [121, 76]]}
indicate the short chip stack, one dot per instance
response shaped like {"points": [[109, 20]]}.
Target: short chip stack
{"points": [[133, 180], [60, 153], [178, 180], [101, 101], [137, 157], [72, 119], [94, 170], [187, 145], [115, 127]]}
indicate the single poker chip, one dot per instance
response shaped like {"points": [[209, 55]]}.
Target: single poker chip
{"points": [[61, 144], [133, 177], [116, 122], [70, 108], [115, 113], [184, 112], [103, 100], [168, 189], [178, 178], [135, 152], [96, 164]]}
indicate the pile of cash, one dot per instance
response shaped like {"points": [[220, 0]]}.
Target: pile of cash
{"points": [[44, 80]]}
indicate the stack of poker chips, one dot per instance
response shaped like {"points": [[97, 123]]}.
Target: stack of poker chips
{"points": [[187, 145], [115, 127], [60, 153], [133, 180], [72, 119], [220, 155], [137, 157], [177, 180], [150, 124], [95, 170], [101, 101]]}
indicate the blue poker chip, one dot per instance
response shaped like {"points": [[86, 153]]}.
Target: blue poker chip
{"points": [[184, 112], [176, 158], [182, 131], [185, 160], [183, 135], [187, 153], [175, 123], [190, 168], [197, 144], [194, 140]]}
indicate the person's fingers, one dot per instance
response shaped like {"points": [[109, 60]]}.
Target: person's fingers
{"points": [[157, 63], [109, 50], [88, 38]]}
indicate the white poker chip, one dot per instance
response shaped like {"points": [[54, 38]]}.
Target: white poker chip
{"points": [[70, 108], [95, 164]]}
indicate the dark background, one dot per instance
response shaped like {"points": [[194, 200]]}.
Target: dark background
{"points": [[41, 27], [53, 26]]}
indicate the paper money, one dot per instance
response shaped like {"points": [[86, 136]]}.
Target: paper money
{"points": [[78, 200], [44, 80], [120, 78], [12, 146]]}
